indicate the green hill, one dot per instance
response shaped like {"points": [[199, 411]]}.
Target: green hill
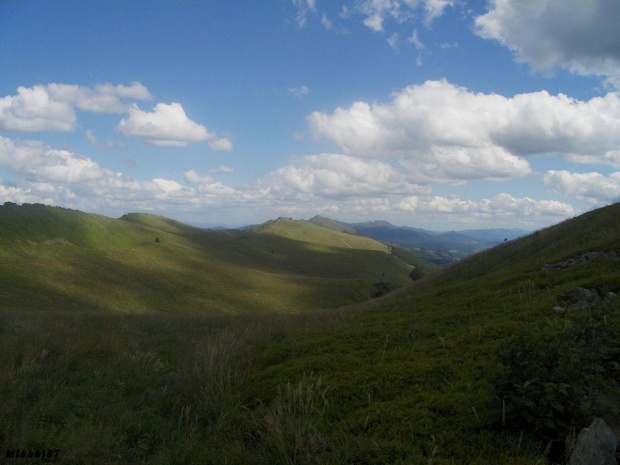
{"points": [[309, 232], [403, 379], [55, 258], [331, 224]]}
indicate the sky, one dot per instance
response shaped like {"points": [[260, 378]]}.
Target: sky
{"points": [[439, 114]]}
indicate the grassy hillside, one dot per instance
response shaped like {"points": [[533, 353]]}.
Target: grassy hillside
{"points": [[309, 232], [55, 258], [403, 379], [331, 224], [404, 237]]}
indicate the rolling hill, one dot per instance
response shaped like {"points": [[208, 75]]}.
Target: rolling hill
{"points": [[403, 379], [58, 258]]}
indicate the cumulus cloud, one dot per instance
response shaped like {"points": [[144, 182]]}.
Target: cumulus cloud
{"points": [[18, 195], [208, 185], [445, 133], [223, 144], [60, 177], [501, 206], [52, 175], [579, 35], [135, 91], [593, 187], [35, 161], [337, 176], [52, 107], [166, 125], [33, 109]]}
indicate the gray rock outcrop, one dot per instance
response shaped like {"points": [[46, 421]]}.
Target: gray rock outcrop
{"points": [[580, 299], [595, 445], [579, 259]]}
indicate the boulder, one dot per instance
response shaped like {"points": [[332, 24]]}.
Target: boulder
{"points": [[580, 299], [595, 445]]}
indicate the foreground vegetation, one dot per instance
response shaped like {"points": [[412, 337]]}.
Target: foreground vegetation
{"points": [[411, 377]]}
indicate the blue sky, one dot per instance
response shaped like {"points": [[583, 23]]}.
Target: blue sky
{"points": [[442, 114]]}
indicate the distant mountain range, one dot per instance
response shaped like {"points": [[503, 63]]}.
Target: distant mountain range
{"points": [[437, 247]]}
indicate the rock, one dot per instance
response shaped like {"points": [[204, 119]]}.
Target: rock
{"points": [[612, 295], [581, 293], [580, 299], [595, 445], [579, 259], [581, 305]]}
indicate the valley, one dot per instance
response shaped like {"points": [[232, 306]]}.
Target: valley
{"points": [[403, 378]]}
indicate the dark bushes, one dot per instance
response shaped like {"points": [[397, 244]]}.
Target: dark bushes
{"points": [[551, 376]]}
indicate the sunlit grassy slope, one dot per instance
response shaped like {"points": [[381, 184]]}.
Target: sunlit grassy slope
{"points": [[54, 258], [409, 372], [331, 224], [309, 232], [403, 379]]}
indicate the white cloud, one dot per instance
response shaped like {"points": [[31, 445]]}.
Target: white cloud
{"points": [[208, 185], [579, 35], [326, 22], [58, 177], [223, 144], [299, 92], [166, 125], [376, 12], [419, 46], [222, 169], [91, 137], [594, 187], [52, 107], [32, 109], [415, 40], [446, 133], [393, 41], [304, 9], [337, 176], [195, 178], [48, 175], [448, 45], [17, 195], [501, 206], [435, 8], [37, 162], [135, 91]]}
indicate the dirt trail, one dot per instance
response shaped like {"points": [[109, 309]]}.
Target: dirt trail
{"points": [[345, 243]]}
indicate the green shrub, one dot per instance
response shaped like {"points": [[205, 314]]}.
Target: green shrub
{"points": [[549, 376]]}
